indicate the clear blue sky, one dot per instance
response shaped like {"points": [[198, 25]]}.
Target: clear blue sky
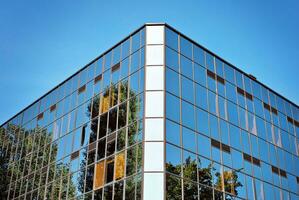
{"points": [[44, 42]]}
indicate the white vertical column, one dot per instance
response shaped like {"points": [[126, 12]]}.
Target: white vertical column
{"points": [[153, 184]]}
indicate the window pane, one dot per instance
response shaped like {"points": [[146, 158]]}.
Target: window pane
{"points": [[120, 165], [189, 140], [188, 115], [210, 62], [204, 145], [173, 187], [231, 92], [185, 47], [134, 65], [202, 121], [201, 96], [172, 59], [172, 82], [125, 48], [135, 41], [198, 54], [173, 159], [200, 75], [130, 189], [171, 39], [237, 158], [172, 107], [232, 113], [99, 175], [186, 67], [235, 139], [214, 132], [187, 90], [172, 132], [118, 190]]}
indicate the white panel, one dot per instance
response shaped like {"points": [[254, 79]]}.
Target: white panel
{"points": [[153, 186], [154, 129], [155, 55], [155, 34], [154, 78], [154, 104], [153, 156]]}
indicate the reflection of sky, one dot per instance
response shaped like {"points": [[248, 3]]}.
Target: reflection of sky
{"points": [[173, 155], [173, 132]]}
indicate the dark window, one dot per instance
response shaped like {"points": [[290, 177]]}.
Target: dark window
{"points": [[225, 148], [91, 155], [89, 178], [53, 107], [118, 190], [267, 106], [270, 108], [75, 155], [109, 170], [256, 161], [274, 110], [112, 120], [101, 149], [115, 67], [244, 93], [211, 74], [290, 119], [103, 125], [81, 89], [111, 144], [215, 77], [247, 157], [220, 145], [91, 146], [283, 173], [98, 194], [108, 192], [98, 78], [215, 143], [40, 116], [83, 132], [275, 170]]}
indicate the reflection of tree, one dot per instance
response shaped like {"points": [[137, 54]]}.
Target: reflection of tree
{"points": [[110, 120], [37, 142], [34, 165], [4, 159], [228, 180], [205, 178]]}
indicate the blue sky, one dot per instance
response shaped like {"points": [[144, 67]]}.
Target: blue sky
{"points": [[44, 42]]}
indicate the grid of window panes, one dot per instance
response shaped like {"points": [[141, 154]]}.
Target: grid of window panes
{"points": [[83, 139], [227, 136]]}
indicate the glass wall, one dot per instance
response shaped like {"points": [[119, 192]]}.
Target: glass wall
{"points": [[227, 136], [83, 140]]}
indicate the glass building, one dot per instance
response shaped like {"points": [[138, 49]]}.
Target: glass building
{"points": [[155, 117]]}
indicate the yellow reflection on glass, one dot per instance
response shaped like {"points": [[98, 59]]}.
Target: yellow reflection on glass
{"points": [[99, 175], [119, 165]]}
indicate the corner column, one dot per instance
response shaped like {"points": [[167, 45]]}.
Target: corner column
{"points": [[153, 166]]}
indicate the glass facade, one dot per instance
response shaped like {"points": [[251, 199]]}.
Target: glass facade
{"points": [[155, 117], [83, 140], [227, 136]]}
